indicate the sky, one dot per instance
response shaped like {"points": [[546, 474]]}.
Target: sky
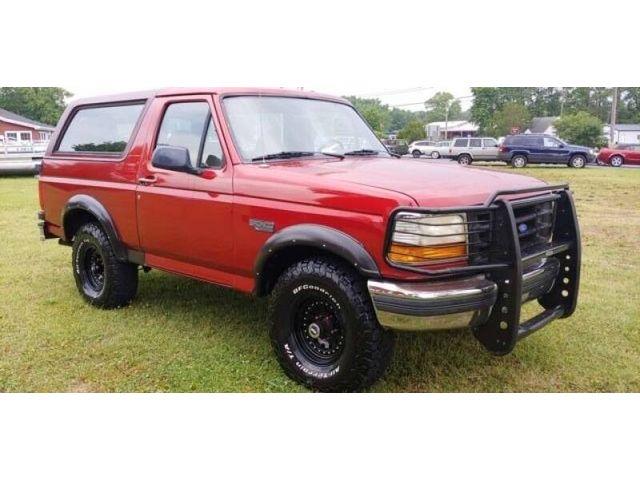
{"points": [[406, 97]]}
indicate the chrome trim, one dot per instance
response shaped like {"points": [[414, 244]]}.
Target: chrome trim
{"points": [[450, 304], [444, 300]]}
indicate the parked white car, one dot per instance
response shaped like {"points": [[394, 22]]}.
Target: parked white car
{"points": [[466, 150], [429, 148]]}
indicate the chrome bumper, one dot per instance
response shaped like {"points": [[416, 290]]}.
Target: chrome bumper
{"points": [[448, 304]]}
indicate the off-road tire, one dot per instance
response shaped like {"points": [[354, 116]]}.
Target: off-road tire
{"points": [[465, 159], [366, 347], [616, 161], [119, 280], [416, 153], [578, 161], [519, 161]]}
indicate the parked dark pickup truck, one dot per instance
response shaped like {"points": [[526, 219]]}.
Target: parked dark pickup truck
{"points": [[290, 194]]}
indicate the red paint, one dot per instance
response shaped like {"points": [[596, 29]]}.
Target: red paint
{"points": [[198, 226], [630, 157]]}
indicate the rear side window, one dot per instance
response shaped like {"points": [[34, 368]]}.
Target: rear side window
{"points": [[475, 142], [460, 142], [104, 129]]}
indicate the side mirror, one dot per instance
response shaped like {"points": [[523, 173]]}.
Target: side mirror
{"points": [[176, 159]]}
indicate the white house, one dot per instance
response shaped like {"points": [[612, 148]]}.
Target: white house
{"points": [[451, 129], [542, 125], [624, 133]]}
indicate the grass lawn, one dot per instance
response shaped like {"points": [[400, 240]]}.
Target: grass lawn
{"points": [[182, 335]]}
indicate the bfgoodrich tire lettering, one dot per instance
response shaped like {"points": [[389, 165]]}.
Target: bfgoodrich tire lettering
{"points": [[102, 279], [323, 328]]}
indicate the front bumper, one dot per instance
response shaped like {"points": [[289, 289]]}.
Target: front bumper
{"points": [[488, 293], [449, 304]]}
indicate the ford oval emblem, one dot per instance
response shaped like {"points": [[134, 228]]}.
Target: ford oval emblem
{"points": [[522, 228]]}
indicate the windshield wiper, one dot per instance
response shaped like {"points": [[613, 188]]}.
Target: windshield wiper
{"points": [[292, 154], [364, 151]]}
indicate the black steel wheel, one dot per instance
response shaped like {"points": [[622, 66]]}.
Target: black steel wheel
{"points": [[102, 279], [91, 270], [323, 328]]}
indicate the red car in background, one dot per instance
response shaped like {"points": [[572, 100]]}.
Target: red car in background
{"points": [[621, 155]]}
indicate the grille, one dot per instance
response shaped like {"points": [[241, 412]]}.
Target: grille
{"points": [[534, 223], [480, 236]]}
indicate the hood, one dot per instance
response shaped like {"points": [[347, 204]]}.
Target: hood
{"points": [[581, 148], [428, 184]]}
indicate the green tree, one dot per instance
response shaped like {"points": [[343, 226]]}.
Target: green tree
{"points": [[414, 130], [437, 107], [44, 104], [511, 115], [581, 128], [374, 112]]}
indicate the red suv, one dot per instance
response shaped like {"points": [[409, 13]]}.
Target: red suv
{"points": [[290, 194]]}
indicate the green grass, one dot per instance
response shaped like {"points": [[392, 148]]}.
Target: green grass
{"points": [[182, 335]]}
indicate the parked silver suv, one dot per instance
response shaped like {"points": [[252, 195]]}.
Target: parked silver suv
{"points": [[469, 149]]}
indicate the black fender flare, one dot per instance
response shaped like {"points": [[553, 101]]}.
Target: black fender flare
{"points": [[96, 209], [322, 238]]}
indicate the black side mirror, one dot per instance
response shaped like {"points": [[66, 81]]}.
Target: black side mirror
{"points": [[176, 159]]}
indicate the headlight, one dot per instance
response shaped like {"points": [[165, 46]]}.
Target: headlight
{"points": [[422, 238]]}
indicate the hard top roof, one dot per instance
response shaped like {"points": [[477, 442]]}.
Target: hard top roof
{"points": [[167, 92]]}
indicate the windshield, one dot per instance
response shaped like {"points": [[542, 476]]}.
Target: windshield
{"points": [[269, 128]]}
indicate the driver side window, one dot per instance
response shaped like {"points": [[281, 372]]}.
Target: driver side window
{"points": [[550, 142], [190, 125]]}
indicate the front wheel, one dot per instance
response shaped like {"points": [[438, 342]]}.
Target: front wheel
{"points": [[324, 330], [577, 161], [435, 155], [102, 279], [416, 153]]}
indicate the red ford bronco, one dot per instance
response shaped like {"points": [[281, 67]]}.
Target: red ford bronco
{"points": [[290, 194]]}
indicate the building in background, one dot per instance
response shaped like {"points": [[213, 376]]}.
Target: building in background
{"points": [[449, 130], [542, 125], [21, 135], [624, 133]]}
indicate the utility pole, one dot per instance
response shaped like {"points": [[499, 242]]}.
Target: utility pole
{"points": [[446, 123], [614, 115]]}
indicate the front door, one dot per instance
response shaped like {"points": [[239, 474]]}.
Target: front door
{"points": [[184, 219], [555, 152]]}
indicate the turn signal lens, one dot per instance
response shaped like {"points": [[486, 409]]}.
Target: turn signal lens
{"points": [[416, 255], [419, 238]]}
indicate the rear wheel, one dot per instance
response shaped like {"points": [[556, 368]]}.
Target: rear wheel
{"points": [[435, 155], [616, 161], [519, 161], [102, 279], [464, 159], [416, 153], [323, 328], [578, 161]]}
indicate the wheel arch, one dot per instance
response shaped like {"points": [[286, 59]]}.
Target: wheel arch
{"points": [[297, 242], [81, 209]]}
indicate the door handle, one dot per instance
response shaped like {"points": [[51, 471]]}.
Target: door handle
{"points": [[148, 180]]}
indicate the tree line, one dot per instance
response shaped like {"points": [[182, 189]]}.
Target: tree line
{"points": [[497, 111]]}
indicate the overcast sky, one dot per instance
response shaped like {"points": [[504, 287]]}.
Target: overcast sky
{"points": [[408, 97]]}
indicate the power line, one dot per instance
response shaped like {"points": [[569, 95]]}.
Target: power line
{"points": [[423, 102], [399, 91]]}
